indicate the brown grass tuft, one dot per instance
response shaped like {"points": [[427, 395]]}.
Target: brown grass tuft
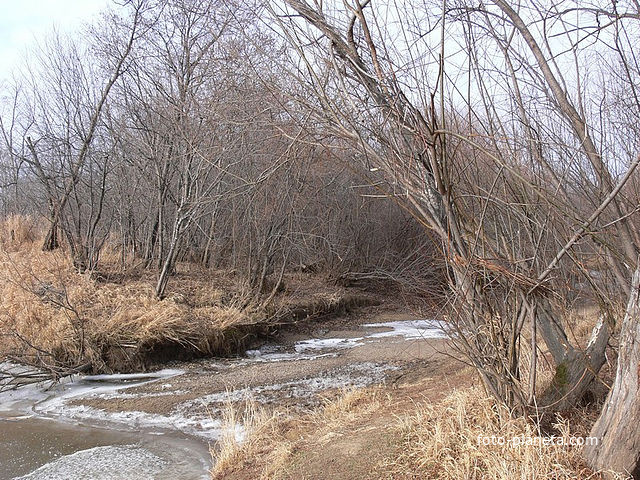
{"points": [[18, 231], [249, 432], [441, 442]]}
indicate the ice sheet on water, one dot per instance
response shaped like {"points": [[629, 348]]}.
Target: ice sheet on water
{"points": [[14, 400], [126, 462], [326, 343], [132, 377], [275, 353], [180, 419], [46, 393]]}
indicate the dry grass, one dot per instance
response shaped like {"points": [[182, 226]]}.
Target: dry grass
{"points": [[442, 442], [429, 439], [249, 432], [75, 318], [270, 440], [111, 319], [18, 231], [50, 314], [50, 306], [349, 406], [338, 415]]}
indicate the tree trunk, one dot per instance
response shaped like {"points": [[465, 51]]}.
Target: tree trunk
{"points": [[575, 368], [168, 264], [51, 240], [151, 244], [616, 431], [165, 272]]}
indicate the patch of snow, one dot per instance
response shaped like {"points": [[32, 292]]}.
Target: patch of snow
{"points": [[326, 343], [356, 375], [408, 329], [126, 395]]}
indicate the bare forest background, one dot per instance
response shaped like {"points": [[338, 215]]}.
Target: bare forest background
{"points": [[479, 154]]}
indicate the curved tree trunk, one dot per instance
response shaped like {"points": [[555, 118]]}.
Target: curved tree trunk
{"points": [[617, 431], [575, 368]]}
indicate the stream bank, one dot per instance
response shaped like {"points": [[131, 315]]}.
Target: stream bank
{"points": [[146, 419]]}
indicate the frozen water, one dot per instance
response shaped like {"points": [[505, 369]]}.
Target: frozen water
{"points": [[408, 329], [326, 343], [126, 462], [355, 375]]}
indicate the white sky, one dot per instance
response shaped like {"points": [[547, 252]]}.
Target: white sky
{"points": [[24, 21]]}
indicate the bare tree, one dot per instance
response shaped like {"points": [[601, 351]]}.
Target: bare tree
{"points": [[505, 234], [65, 107], [618, 446]]}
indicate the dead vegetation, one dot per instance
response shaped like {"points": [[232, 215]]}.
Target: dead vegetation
{"points": [[442, 441], [412, 432], [247, 433], [271, 442], [53, 317]]}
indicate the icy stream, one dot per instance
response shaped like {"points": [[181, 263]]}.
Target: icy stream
{"points": [[51, 434]]}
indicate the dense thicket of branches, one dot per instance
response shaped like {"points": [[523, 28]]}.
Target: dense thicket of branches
{"points": [[166, 129], [505, 134]]}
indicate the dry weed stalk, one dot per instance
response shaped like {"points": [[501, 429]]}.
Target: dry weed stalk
{"points": [[269, 440], [250, 431]]}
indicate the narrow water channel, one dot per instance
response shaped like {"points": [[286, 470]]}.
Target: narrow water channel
{"points": [[38, 442], [111, 427]]}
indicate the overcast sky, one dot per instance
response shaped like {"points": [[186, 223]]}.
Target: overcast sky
{"points": [[23, 21]]}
